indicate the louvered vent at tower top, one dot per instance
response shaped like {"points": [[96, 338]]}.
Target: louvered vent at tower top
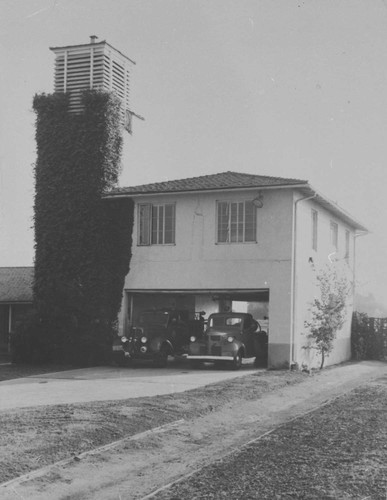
{"points": [[96, 65]]}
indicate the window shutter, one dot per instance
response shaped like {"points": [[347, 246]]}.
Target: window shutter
{"points": [[144, 224]]}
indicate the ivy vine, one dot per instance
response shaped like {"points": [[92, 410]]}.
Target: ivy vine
{"points": [[82, 241]]}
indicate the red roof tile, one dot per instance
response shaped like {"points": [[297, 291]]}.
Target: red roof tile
{"points": [[16, 284], [224, 180]]}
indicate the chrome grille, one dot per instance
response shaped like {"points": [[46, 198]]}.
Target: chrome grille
{"points": [[216, 350]]}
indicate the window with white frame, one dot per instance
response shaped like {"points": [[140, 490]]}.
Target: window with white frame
{"points": [[236, 222], [334, 235], [314, 229], [156, 224], [347, 240]]}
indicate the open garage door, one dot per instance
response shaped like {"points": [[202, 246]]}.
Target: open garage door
{"points": [[255, 302]]}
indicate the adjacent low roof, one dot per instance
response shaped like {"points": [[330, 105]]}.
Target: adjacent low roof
{"points": [[236, 180], [16, 284]]}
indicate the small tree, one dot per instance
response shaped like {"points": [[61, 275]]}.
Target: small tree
{"points": [[328, 312]]}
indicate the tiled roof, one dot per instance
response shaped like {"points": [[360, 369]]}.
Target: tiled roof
{"points": [[16, 284], [223, 180], [235, 180]]}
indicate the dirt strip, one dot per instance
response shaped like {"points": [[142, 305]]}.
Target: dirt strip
{"points": [[135, 468], [336, 451]]}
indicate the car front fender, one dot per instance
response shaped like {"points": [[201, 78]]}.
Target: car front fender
{"points": [[157, 342], [237, 346]]}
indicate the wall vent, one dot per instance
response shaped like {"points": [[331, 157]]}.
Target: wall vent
{"points": [[96, 65]]}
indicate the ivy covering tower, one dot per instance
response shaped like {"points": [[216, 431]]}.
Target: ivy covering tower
{"points": [[82, 241]]}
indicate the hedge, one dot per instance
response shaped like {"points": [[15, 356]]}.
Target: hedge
{"points": [[368, 337]]}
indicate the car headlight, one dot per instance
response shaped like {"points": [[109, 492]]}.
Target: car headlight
{"points": [[192, 339], [230, 339], [144, 340], [124, 339]]}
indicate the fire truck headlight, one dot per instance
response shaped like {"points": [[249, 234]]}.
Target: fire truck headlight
{"points": [[192, 339], [230, 339], [144, 340]]}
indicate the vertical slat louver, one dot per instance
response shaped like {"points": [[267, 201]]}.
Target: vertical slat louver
{"points": [[92, 66]]}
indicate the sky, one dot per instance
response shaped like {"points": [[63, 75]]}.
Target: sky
{"points": [[272, 87]]}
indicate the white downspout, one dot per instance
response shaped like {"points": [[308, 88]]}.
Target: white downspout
{"points": [[293, 296]]}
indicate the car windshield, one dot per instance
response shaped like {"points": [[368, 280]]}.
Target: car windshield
{"points": [[154, 318], [225, 322]]}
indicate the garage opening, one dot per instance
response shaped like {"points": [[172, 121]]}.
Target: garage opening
{"points": [[259, 309], [255, 302]]}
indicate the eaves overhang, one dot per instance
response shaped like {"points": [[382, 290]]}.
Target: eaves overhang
{"points": [[138, 194], [88, 45], [334, 208], [304, 188]]}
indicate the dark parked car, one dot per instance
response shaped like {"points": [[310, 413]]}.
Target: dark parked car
{"points": [[229, 337], [158, 334]]}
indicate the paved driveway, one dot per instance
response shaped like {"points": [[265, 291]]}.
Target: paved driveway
{"points": [[105, 383]]}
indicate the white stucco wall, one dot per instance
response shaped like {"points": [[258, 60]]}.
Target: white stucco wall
{"points": [[196, 262], [305, 289]]}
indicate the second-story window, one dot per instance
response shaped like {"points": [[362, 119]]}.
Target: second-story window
{"points": [[334, 235], [314, 229], [236, 222], [156, 224]]}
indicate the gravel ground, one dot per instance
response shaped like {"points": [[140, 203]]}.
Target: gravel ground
{"points": [[336, 452], [34, 437]]}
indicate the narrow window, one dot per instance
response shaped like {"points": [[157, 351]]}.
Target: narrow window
{"points": [[223, 222], [169, 226], [314, 229], [347, 239], [144, 224], [156, 224], [334, 235], [236, 222], [250, 225]]}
